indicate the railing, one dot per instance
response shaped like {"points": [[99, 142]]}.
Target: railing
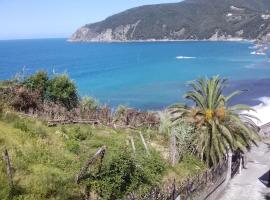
{"points": [[235, 164], [198, 186]]}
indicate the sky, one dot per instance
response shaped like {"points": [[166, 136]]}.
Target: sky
{"points": [[25, 19]]}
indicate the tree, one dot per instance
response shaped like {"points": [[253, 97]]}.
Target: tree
{"points": [[219, 128], [62, 90]]}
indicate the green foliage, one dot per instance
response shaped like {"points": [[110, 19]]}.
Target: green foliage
{"points": [[9, 117], [47, 159], [165, 123], [185, 136], [38, 81], [46, 182], [34, 129], [219, 127], [76, 133], [188, 167], [39, 130], [124, 174], [80, 134], [62, 90], [195, 19], [22, 125], [89, 103], [73, 146]]}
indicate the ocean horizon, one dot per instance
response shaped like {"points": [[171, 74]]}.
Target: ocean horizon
{"points": [[143, 75]]}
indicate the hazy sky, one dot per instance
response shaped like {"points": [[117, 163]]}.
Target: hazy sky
{"points": [[57, 18]]}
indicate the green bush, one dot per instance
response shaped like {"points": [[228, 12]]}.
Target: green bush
{"points": [[38, 81], [62, 90], [124, 174], [81, 134], [89, 103]]}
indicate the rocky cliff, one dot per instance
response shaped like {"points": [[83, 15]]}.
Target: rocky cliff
{"points": [[187, 20]]}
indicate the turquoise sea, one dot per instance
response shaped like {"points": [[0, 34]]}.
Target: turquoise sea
{"points": [[145, 75]]}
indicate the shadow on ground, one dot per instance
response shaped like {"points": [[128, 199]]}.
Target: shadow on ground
{"points": [[267, 196], [265, 179]]}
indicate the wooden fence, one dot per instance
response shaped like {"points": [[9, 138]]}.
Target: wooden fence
{"points": [[126, 118]]}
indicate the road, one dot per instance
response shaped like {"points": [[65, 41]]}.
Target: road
{"points": [[251, 184]]}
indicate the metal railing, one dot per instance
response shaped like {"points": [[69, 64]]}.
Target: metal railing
{"points": [[200, 185]]}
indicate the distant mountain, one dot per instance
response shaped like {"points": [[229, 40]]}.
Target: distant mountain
{"points": [[187, 20]]}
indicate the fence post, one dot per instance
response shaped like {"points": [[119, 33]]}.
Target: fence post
{"points": [[206, 178], [9, 169], [144, 143], [229, 166], [240, 166], [133, 146], [173, 194]]}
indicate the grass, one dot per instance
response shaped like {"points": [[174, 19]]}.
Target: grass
{"points": [[46, 159]]}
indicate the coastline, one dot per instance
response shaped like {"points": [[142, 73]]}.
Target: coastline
{"points": [[262, 111], [162, 40], [256, 94]]}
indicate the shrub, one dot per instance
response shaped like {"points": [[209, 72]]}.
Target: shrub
{"points": [[81, 135], [89, 103], [24, 99], [125, 174], [185, 136], [61, 89], [38, 82]]}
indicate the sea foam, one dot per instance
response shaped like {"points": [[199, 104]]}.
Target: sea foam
{"points": [[262, 111], [185, 57]]}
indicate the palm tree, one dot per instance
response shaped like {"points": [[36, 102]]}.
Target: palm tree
{"points": [[219, 128]]}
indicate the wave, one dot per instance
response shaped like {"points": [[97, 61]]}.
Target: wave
{"points": [[185, 57], [253, 47], [258, 53], [262, 111]]}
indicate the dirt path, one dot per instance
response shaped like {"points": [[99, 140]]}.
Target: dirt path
{"points": [[250, 184]]}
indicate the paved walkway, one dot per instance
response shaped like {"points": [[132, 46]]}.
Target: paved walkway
{"points": [[249, 184]]}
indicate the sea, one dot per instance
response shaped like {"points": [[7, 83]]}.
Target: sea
{"points": [[142, 75]]}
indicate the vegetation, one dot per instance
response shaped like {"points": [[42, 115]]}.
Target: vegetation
{"points": [[61, 89], [45, 160], [89, 103], [190, 19], [219, 127], [32, 92], [38, 82], [124, 175]]}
